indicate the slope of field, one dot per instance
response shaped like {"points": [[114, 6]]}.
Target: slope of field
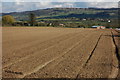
{"points": [[57, 53], [61, 13]]}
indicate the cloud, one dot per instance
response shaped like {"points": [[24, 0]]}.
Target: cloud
{"points": [[28, 6], [57, 6], [60, 1], [103, 4], [17, 7]]}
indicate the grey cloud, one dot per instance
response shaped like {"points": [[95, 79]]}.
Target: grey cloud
{"points": [[27, 6]]}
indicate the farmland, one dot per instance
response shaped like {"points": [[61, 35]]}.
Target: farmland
{"points": [[69, 17], [47, 52]]}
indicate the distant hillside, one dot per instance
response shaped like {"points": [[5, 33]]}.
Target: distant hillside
{"points": [[61, 13]]}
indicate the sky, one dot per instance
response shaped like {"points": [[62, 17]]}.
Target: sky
{"points": [[29, 5]]}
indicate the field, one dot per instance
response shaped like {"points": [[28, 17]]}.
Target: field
{"points": [[58, 53]]}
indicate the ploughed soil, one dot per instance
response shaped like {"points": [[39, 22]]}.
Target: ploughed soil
{"points": [[117, 40], [58, 53]]}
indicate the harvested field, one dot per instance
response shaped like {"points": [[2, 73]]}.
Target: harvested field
{"points": [[58, 53]]}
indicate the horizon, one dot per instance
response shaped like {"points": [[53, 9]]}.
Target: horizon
{"points": [[58, 7], [9, 7]]}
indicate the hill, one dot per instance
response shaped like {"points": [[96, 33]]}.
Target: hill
{"points": [[61, 13]]}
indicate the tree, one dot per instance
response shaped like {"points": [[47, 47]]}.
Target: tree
{"points": [[81, 26], [8, 20], [32, 19]]}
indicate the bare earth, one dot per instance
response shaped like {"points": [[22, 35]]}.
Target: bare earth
{"points": [[58, 53]]}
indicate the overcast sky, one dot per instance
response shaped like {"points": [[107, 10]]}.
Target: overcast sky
{"points": [[27, 5]]}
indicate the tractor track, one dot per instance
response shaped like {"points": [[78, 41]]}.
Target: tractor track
{"points": [[50, 60], [42, 48], [64, 53], [89, 56], [73, 54], [92, 51], [116, 59], [61, 59]]}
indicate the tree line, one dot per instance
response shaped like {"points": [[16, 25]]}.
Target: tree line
{"points": [[8, 20]]}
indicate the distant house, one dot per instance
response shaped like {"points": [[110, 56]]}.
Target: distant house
{"points": [[84, 19], [61, 24], [99, 27], [95, 26], [117, 28], [50, 24]]}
